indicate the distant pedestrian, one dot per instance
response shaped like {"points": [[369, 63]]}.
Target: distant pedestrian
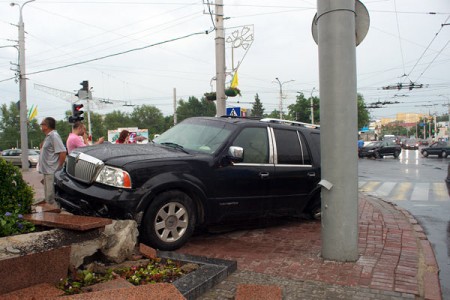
{"points": [[51, 157], [77, 138], [124, 137]]}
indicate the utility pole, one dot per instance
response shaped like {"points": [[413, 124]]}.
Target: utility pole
{"points": [[175, 106], [339, 128], [23, 90], [281, 95], [220, 60]]}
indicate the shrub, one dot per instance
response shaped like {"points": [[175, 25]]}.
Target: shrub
{"points": [[16, 198]]}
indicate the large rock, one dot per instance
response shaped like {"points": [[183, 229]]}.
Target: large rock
{"points": [[121, 239]]}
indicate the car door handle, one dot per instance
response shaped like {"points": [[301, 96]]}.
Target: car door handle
{"points": [[311, 174], [263, 175]]}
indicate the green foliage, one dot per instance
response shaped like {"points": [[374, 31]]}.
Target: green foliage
{"points": [[12, 223], [157, 270], [16, 198], [195, 108], [257, 108], [10, 128]]}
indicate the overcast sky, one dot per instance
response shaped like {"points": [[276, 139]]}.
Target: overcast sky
{"points": [[406, 43]]}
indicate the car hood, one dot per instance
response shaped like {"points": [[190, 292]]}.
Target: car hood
{"points": [[121, 154]]}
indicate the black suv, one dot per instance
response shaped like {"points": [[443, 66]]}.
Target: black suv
{"points": [[378, 149], [202, 171]]}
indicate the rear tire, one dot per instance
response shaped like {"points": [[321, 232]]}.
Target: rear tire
{"points": [[169, 221], [314, 209], [396, 154], [444, 154]]}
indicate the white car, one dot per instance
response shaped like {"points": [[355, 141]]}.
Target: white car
{"points": [[15, 157]]}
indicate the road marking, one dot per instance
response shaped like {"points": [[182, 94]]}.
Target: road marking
{"points": [[385, 189], [406, 191], [370, 186], [440, 191], [420, 192], [401, 191]]}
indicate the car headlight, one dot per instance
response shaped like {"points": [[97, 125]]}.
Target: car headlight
{"points": [[114, 177], [371, 150]]}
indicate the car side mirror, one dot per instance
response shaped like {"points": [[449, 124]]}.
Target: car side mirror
{"points": [[236, 153]]}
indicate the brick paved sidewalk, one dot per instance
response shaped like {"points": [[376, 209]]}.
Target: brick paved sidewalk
{"points": [[396, 260]]}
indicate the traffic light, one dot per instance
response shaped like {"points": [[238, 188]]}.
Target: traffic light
{"points": [[76, 113]]}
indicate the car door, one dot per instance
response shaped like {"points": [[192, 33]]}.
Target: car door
{"points": [[295, 175], [242, 188]]}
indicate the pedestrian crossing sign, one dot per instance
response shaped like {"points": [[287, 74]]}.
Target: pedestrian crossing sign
{"points": [[234, 111]]}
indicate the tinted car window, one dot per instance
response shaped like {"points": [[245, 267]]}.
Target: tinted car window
{"points": [[291, 148], [255, 144]]}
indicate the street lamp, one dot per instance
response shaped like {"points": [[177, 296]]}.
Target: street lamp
{"points": [[448, 106], [23, 90], [312, 106], [281, 95]]}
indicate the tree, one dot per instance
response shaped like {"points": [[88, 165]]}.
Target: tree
{"points": [[275, 114], [257, 108], [195, 108], [10, 128], [148, 117], [363, 113], [117, 119], [301, 110]]}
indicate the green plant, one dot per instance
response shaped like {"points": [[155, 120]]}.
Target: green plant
{"points": [[157, 270], [16, 198], [232, 92], [210, 96], [12, 223], [14, 190]]}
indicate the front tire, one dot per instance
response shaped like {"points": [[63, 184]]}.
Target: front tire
{"points": [[444, 154], [169, 221], [377, 155], [396, 154], [425, 153]]}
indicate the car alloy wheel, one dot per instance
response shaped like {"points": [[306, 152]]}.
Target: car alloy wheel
{"points": [[169, 221]]}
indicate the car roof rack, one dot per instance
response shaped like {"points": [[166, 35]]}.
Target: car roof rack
{"points": [[293, 123]]}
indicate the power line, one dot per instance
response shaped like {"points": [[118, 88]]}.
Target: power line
{"points": [[428, 47], [119, 53]]}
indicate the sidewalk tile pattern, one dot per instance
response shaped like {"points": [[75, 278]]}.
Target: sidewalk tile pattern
{"points": [[390, 254]]}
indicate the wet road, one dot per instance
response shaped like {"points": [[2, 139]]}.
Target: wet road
{"points": [[418, 185]]}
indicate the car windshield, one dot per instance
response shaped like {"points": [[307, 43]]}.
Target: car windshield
{"points": [[32, 152], [196, 135], [373, 144]]}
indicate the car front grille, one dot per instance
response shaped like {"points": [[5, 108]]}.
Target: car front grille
{"points": [[83, 167]]}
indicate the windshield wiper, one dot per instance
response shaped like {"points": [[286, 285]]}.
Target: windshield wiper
{"points": [[175, 145]]}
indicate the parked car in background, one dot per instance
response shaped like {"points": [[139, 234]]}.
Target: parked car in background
{"points": [[441, 149], [14, 156], [378, 149], [423, 142], [410, 144], [200, 172]]}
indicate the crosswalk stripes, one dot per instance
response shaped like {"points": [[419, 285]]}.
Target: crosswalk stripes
{"points": [[406, 191]]}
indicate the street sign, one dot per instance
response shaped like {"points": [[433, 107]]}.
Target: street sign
{"points": [[234, 111]]}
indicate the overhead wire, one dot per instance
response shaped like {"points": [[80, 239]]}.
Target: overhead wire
{"points": [[119, 53], [399, 39]]}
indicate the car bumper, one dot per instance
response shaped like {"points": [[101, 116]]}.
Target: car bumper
{"points": [[96, 199]]}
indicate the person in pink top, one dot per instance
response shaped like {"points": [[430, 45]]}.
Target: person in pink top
{"points": [[77, 138]]}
